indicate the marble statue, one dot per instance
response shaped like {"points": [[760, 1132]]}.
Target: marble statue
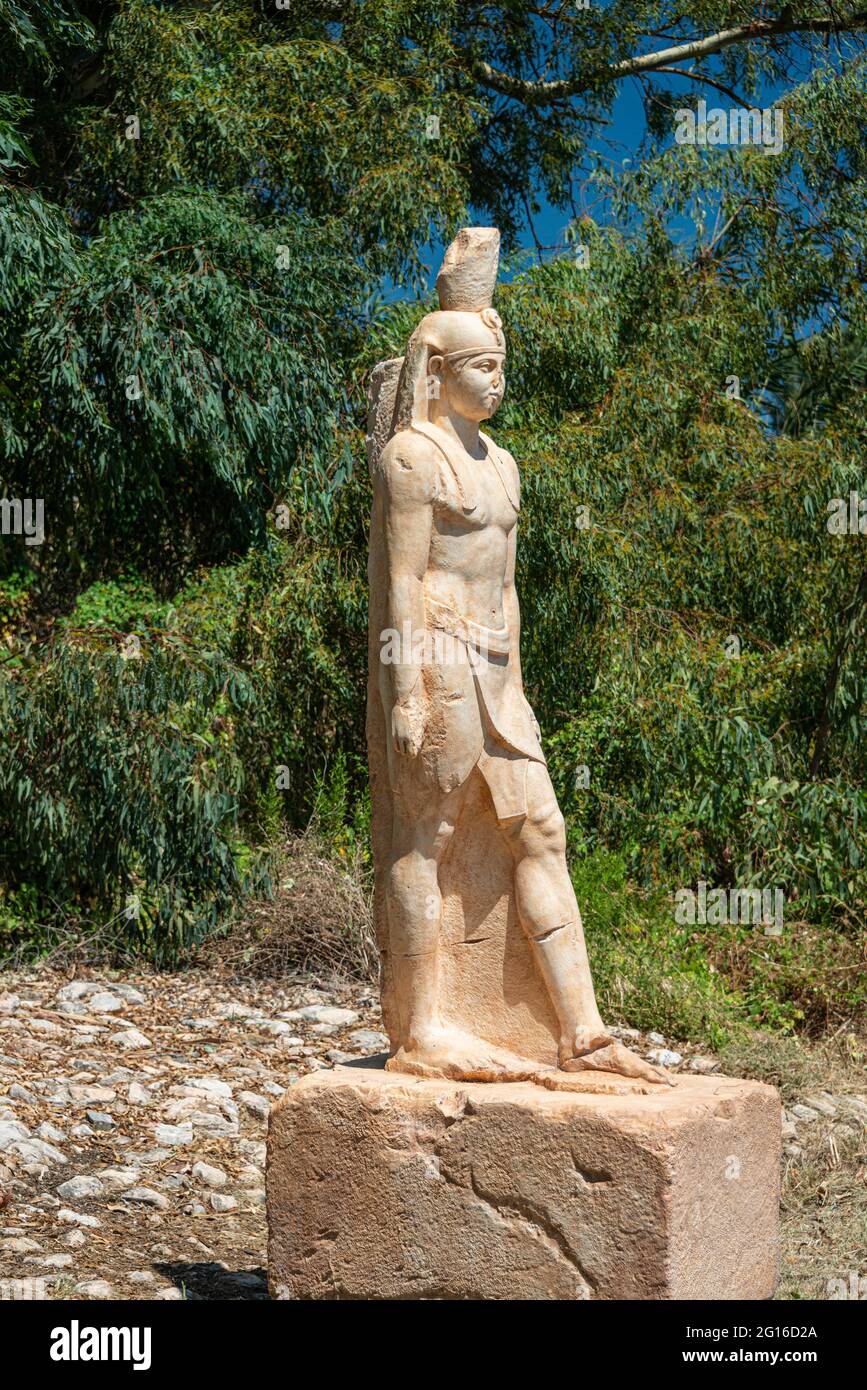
{"points": [[469, 842], [581, 1175]]}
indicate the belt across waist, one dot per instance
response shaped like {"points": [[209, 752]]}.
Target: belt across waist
{"points": [[483, 640]]}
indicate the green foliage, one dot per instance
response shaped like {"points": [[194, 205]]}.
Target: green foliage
{"points": [[119, 791], [126, 605], [186, 320], [187, 361], [646, 969]]}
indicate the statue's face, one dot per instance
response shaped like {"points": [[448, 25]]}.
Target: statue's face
{"points": [[474, 385]]}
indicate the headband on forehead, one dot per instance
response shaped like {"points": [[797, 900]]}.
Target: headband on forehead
{"points": [[479, 351]]}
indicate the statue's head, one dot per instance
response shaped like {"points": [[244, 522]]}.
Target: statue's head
{"points": [[456, 356], [465, 362]]}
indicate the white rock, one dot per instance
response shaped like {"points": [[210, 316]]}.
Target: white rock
{"points": [[18, 1092], [206, 1122], [210, 1176], [141, 1276], [221, 1202], [19, 1245], [250, 1177], [173, 1135], [212, 1084], [50, 1132], [148, 1197], [256, 1104], [664, 1057], [703, 1065], [170, 1295], [78, 1218], [138, 1094], [368, 1040], [75, 1239], [58, 1261], [105, 1003], [805, 1113], [9, 1003], [655, 1038], [94, 1288], [131, 1039], [10, 1132], [37, 1151], [76, 1188], [327, 1013], [119, 1179], [274, 1027], [100, 1120]]}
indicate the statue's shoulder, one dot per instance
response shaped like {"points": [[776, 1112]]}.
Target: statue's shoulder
{"points": [[409, 466], [509, 466]]}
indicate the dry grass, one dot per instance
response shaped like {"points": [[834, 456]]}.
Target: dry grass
{"points": [[318, 922], [824, 1187]]}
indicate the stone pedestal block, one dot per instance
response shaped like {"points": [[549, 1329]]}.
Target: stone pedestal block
{"points": [[383, 1186]]}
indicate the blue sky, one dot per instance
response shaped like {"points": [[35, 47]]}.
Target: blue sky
{"points": [[618, 142]]}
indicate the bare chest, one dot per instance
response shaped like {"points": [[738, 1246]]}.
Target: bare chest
{"points": [[478, 505]]}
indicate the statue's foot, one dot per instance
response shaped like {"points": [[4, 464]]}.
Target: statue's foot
{"points": [[610, 1055], [451, 1054]]}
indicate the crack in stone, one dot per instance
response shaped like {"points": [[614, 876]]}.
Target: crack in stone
{"points": [[536, 1220], [593, 1177]]}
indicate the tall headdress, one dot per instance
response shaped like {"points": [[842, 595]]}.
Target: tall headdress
{"points": [[465, 324]]}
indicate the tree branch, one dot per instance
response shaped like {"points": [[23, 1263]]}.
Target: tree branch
{"points": [[522, 89], [709, 81]]}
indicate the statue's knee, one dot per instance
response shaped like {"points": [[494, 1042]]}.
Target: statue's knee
{"points": [[412, 877], [549, 829]]}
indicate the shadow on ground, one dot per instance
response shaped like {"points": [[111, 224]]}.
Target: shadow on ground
{"points": [[211, 1281]]}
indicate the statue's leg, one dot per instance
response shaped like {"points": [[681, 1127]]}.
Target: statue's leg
{"points": [[548, 911], [427, 1045], [420, 836]]}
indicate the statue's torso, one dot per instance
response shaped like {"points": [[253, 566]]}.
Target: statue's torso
{"points": [[473, 517]]}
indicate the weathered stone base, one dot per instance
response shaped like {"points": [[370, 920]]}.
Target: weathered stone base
{"points": [[383, 1186]]}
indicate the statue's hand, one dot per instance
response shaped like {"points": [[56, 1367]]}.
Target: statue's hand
{"points": [[407, 727]]}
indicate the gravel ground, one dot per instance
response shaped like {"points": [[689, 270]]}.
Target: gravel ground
{"points": [[133, 1116]]}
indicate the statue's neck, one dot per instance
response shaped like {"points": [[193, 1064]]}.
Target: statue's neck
{"points": [[465, 432]]}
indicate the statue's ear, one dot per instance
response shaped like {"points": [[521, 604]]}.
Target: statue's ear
{"points": [[435, 364]]}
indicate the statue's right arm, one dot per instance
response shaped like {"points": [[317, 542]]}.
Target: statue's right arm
{"points": [[408, 477]]}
